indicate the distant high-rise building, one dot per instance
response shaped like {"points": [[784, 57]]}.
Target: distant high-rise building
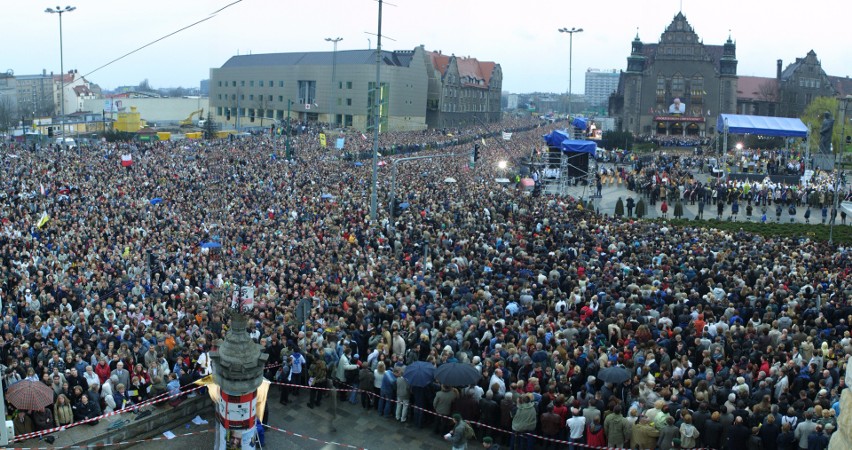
{"points": [[599, 85], [204, 89]]}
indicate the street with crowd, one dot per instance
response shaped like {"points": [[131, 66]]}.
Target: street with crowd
{"points": [[110, 295]]}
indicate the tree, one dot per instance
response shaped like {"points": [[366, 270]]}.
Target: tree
{"points": [[619, 208], [678, 209], [640, 208], [210, 127], [768, 91], [8, 115], [813, 116], [144, 86]]}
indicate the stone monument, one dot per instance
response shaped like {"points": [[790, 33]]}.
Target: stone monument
{"points": [[841, 439], [825, 133]]}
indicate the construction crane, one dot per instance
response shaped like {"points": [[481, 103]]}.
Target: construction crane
{"points": [[188, 121]]}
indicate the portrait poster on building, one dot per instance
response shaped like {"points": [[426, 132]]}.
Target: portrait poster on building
{"points": [[339, 143], [677, 107]]}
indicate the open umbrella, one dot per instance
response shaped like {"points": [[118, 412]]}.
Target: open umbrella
{"points": [[613, 375], [457, 374], [449, 180], [419, 373], [156, 201], [502, 180], [404, 205], [30, 395], [527, 182], [359, 164], [211, 245], [326, 196]]}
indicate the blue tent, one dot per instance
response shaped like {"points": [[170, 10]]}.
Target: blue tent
{"points": [[577, 146], [580, 123], [555, 138], [765, 126]]}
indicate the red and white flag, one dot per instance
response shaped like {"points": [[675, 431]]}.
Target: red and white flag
{"points": [[127, 160], [43, 192], [363, 136]]}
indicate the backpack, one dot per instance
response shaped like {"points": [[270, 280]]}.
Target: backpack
{"points": [[468, 431]]}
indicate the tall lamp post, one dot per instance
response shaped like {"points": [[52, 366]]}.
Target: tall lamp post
{"points": [[377, 93], [61, 11], [333, 78], [570, 60]]}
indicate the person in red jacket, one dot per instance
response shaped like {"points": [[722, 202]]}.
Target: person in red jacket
{"points": [[664, 208], [595, 436], [103, 371]]}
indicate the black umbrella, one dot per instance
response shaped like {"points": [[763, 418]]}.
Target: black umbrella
{"points": [[419, 374], [613, 375], [457, 374]]}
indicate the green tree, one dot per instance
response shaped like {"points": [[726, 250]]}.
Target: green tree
{"points": [[640, 208], [813, 116], [210, 127], [619, 208]]}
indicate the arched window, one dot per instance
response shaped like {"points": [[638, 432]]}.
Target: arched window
{"points": [[678, 85]]}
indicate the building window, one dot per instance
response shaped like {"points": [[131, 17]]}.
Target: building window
{"points": [[269, 98], [233, 84], [219, 111], [242, 83], [251, 96], [261, 83], [251, 83], [307, 91], [348, 85], [271, 83], [280, 98], [280, 83], [220, 96], [348, 102], [220, 83], [678, 85], [242, 96], [233, 96]]}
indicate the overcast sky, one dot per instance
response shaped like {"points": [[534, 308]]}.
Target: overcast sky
{"points": [[519, 35]]}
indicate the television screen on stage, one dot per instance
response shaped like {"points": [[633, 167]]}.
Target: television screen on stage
{"points": [[677, 107]]}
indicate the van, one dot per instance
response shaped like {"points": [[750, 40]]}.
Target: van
{"points": [[69, 142]]}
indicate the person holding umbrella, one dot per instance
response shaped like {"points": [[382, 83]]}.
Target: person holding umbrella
{"points": [[403, 395]]}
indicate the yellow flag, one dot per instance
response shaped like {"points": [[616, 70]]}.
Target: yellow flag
{"points": [[322, 140], [483, 142], [43, 220]]}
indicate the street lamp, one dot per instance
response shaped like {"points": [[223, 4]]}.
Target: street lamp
{"points": [[333, 77], [570, 59], [61, 11]]}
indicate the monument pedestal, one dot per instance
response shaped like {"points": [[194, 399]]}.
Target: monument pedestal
{"points": [[841, 439]]}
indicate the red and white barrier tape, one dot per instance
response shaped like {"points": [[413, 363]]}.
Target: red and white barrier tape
{"points": [[479, 424], [160, 398], [310, 438], [113, 444]]}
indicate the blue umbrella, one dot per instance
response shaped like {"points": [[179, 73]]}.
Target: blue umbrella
{"points": [[156, 201], [457, 374], [326, 196], [211, 245], [359, 164], [419, 374], [404, 205]]}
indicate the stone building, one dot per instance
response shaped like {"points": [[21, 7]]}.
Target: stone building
{"points": [[677, 86]]}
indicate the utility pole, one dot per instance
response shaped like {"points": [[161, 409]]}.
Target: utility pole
{"points": [[374, 197], [287, 152], [570, 60], [61, 11]]}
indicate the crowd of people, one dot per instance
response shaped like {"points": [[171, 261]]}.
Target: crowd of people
{"points": [[730, 340]]}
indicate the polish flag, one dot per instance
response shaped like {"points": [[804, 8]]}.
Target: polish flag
{"points": [[363, 136], [126, 160]]}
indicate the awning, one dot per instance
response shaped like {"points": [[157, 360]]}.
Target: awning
{"points": [[766, 126], [578, 146]]}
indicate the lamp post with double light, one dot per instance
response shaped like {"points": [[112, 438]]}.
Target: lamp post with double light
{"points": [[333, 100], [570, 60], [61, 11]]}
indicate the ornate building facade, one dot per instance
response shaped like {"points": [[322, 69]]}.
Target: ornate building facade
{"points": [[677, 86]]}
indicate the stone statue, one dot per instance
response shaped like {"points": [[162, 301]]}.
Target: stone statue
{"points": [[848, 377], [825, 133]]}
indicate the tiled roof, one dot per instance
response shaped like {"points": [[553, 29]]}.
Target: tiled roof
{"points": [[843, 85], [749, 88], [468, 67]]}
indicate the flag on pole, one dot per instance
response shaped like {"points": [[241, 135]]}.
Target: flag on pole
{"points": [[483, 142], [43, 221], [322, 140], [127, 160]]}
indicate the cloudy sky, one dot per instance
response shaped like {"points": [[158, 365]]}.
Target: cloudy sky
{"points": [[520, 35]]}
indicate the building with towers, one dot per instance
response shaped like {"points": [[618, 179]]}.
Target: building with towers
{"points": [[677, 86]]}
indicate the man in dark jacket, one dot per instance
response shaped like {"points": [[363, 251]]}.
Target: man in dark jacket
{"points": [[551, 425], [817, 440], [738, 435], [712, 433]]}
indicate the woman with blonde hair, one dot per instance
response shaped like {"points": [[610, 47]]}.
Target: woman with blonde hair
{"points": [[378, 376], [63, 414]]}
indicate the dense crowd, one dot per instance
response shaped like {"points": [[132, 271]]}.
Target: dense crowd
{"points": [[729, 339]]}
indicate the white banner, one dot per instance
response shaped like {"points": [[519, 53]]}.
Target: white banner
{"points": [[507, 136]]}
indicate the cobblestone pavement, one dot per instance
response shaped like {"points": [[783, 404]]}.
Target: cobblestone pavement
{"points": [[354, 427]]}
